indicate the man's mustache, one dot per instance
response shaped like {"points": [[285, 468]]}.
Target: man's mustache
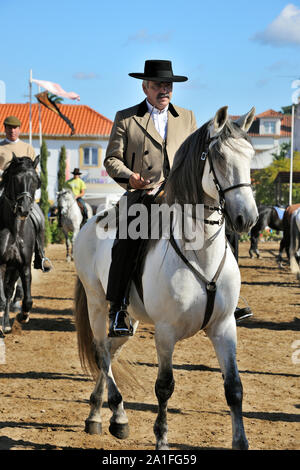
{"points": [[163, 95]]}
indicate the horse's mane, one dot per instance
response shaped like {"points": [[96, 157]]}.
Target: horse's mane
{"points": [[184, 183], [16, 165]]}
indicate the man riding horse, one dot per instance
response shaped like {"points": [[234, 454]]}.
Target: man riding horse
{"points": [[140, 153], [78, 187], [13, 145]]}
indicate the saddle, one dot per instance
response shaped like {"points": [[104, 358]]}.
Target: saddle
{"points": [[112, 218]]}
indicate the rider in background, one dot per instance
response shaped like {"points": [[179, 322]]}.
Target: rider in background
{"points": [[12, 144], [78, 186]]}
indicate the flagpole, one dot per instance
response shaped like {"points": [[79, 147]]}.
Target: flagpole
{"points": [[292, 156], [30, 101], [40, 120]]}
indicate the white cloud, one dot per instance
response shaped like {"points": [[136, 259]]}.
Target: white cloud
{"points": [[284, 30]]}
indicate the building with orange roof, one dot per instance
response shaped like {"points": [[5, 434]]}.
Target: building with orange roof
{"points": [[85, 148], [268, 131]]}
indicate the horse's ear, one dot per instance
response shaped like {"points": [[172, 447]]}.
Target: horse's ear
{"points": [[220, 119], [36, 161], [14, 158], [245, 121]]}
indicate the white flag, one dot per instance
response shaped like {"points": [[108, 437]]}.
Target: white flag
{"points": [[57, 89]]}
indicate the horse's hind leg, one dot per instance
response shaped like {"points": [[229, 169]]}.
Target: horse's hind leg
{"points": [[225, 346], [254, 236], [119, 421], [93, 422]]}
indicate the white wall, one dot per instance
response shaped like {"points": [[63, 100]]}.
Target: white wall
{"points": [[72, 149]]}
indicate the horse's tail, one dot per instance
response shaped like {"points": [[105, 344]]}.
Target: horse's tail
{"points": [[85, 337], [294, 235]]}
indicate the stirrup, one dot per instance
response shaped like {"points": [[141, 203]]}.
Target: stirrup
{"points": [[47, 268], [118, 326], [241, 314]]}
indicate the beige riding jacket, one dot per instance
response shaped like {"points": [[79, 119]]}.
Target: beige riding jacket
{"points": [[135, 146]]}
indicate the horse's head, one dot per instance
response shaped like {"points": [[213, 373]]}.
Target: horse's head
{"points": [[20, 182], [226, 175], [65, 198]]}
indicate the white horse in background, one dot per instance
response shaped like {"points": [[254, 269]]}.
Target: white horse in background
{"points": [[295, 243], [180, 286], [71, 217]]}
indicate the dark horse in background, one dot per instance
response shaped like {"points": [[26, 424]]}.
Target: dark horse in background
{"points": [[269, 216], [17, 234]]}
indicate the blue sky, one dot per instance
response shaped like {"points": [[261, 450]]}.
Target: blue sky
{"points": [[236, 52]]}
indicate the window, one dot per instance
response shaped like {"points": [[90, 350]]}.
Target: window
{"points": [[269, 127], [90, 156]]}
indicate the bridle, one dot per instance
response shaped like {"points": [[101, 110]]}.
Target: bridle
{"points": [[210, 285], [15, 202], [206, 154], [68, 207]]}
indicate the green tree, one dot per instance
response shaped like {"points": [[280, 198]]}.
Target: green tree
{"points": [[263, 181], [286, 109], [61, 175], [44, 201], [56, 231], [284, 148]]}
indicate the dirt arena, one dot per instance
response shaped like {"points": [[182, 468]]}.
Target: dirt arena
{"points": [[44, 392]]}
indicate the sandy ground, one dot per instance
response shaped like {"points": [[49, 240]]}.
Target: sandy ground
{"points": [[44, 392]]}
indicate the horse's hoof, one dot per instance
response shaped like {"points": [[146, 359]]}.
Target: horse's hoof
{"points": [[93, 427], [7, 329], [22, 317], [240, 444], [121, 431]]}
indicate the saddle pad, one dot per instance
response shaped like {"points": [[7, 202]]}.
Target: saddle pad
{"points": [[280, 212]]}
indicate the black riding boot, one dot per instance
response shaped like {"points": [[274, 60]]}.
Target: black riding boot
{"points": [[40, 261], [119, 321]]}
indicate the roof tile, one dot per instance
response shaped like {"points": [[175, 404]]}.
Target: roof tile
{"points": [[85, 120]]}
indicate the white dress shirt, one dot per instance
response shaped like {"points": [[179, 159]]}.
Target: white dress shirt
{"points": [[160, 119]]}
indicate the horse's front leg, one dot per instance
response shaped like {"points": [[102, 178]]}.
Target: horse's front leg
{"points": [[164, 385], [25, 274], [224, 341], [254, 245], [11, 276], [75, 233], [68, 243]]}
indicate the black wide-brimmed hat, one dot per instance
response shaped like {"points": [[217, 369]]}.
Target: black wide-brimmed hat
{"points": [[76, 171], [159, 71]]}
